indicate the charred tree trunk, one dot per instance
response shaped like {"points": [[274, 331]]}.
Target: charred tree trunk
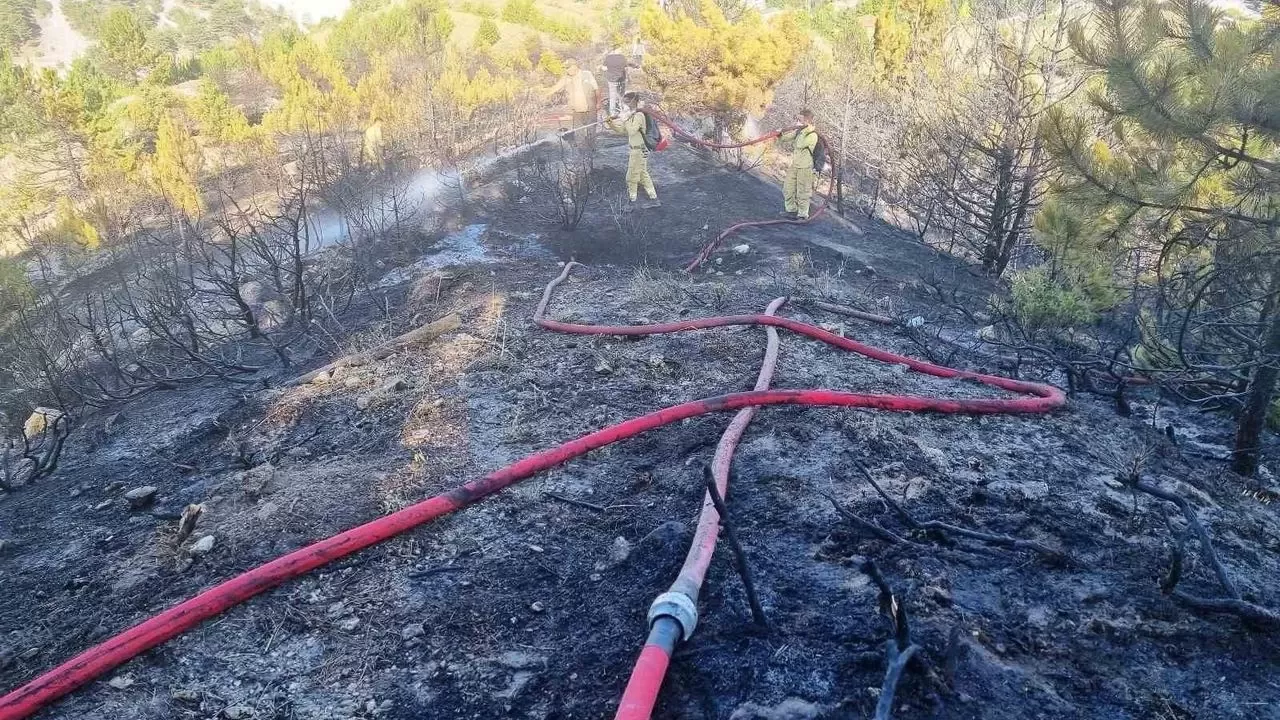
{"points": [[1262, 387]]}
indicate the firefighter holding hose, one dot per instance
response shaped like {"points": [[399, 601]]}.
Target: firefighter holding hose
{"points": [[798, 185], [580, 89], [635, 125]]}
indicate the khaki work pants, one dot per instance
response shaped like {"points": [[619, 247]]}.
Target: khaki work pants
{"points": [[797, 189], [638, 175]]}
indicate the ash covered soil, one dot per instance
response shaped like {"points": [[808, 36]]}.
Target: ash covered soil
{"points": [[530, 606]]}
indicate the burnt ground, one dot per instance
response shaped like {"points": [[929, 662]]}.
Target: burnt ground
{"points": [[528, 606]]}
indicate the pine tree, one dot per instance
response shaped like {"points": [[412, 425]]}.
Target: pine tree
{"points": [[1180, 142], [708, 65]]}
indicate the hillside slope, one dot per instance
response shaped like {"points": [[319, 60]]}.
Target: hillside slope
{"points": [[529, 605]]}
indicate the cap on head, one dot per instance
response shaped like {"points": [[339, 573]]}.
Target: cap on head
{"points": [[632, 99], [807, 115]]}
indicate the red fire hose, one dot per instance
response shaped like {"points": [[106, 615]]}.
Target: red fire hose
{"points": [[674, 613], [96, 661], [665, 632]]}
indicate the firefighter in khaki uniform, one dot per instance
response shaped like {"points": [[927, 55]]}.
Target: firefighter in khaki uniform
{"points": [[798, 185], [633, 126]]}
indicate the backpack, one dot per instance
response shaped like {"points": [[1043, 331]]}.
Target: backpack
{"points": [[653, 139], [820, 154]]}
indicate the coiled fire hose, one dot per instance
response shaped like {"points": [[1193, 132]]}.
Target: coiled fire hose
{"points": [[642, 690], [673, 616]]}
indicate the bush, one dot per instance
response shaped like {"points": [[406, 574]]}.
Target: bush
{"points": [[521, 12], [1040, 302], [488, 34]]}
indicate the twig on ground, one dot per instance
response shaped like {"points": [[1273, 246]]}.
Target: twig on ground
{"points": [[1233, 604], [851, 312], [739, 556], [898, 660], [898, 650], [943, 528], [1193, 521], [421, 334], [874, 529]]}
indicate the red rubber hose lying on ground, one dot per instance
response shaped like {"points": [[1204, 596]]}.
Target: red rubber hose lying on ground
{"points": [[646, 679], [101, 658], [705, 253], [641, 694]]}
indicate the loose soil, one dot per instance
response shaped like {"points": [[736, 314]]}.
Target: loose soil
{"points": [[531, 607]]}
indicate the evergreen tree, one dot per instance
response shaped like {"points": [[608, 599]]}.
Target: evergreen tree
{"points": [[708, 65], [1180, 143]]}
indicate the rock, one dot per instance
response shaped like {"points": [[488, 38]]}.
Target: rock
{"points": [[988, 333], [537, 606], [183, 563], [267, 510], [184, 695], [412, 631], [120, 682], [4, 545], [298, 453], [789, 709], [349, 623], [915, 322], [237, 712], [657, 361], [363, 402], [603, 368], [322, 378], [102, 505], [41, 420], [203, 546], [619, 551], [742, 249], [141, 497], [662, 541], [395, 384]]}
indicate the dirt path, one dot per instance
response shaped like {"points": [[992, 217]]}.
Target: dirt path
{"points": [[528, 606]]}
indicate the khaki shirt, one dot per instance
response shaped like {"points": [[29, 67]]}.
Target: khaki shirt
{"points": [[803, 142], [632, 127]]}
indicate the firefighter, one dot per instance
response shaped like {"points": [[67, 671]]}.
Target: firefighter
{"points": [[580, 88], [798, 185], [633, 126]]}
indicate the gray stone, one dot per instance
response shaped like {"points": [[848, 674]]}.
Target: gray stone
{"points": [[412, 631], [237, 712], [619, 551], [141, 497], [203, 546], [395, 384]]}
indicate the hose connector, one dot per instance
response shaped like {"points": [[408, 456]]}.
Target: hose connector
{"points": [[678, 607]]}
